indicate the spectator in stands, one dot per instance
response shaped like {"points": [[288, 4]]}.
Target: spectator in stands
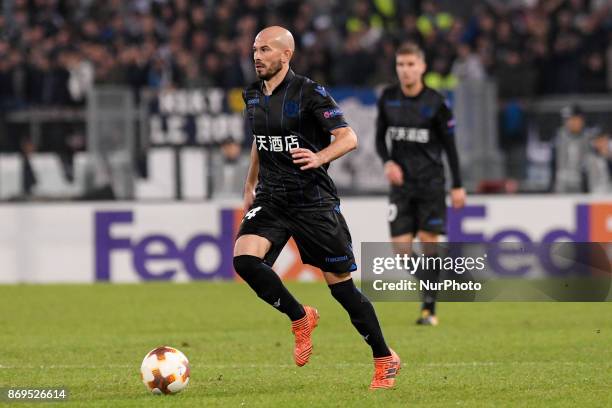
{"points": [[432, 19], [385, 62], [566, 55], [513, 138], [593, 73], [603, 145], [409, 32], [81, 74], [7, 93], [467, 66], [515, 78], [29, 176], [538, 57], [439, 76], [364, 19], [578, 164], [355, 62], [571, 36], [609, 61], [506, 40], [53, 51]]}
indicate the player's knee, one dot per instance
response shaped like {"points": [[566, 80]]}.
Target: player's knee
{"points": [[334, 277], [258, 276], [351, 298], [340, 287], [342, 276], [429, 240], [246, 265]]}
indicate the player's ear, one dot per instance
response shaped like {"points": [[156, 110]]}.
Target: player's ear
{"points": [[287, 54]]}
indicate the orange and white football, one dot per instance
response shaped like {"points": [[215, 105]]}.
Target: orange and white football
{"points": [[165, 370]]}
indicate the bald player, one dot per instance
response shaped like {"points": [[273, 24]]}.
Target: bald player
{"points": [[288, 193]]}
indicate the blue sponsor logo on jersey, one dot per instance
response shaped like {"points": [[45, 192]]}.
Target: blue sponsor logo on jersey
{"points": [[291, 109], [321, 91], [253, 101], [395, 103], [435, 221], [426, 111], [336, 259]]}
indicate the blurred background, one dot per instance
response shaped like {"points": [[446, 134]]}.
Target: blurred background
{"points": [[140, 100]]}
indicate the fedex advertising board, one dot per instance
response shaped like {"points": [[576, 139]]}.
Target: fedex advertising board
{"points": [[546, 220], [134, 242]]}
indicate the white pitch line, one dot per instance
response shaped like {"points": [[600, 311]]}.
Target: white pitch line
{"points": [[338, 365]]}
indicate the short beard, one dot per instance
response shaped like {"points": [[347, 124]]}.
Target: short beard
{"points": [[274, 69]]}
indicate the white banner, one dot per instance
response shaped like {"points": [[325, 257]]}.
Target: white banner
{"points": [[132, 242]]}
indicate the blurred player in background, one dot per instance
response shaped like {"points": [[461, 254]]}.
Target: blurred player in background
{"points": [[292, 119], [414, 126]]}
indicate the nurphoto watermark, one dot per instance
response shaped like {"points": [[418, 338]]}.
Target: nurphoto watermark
{"points": [[509, 271]]}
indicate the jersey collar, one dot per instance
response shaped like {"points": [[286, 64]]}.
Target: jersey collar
{"points": [[404, 96], [288, 77]]}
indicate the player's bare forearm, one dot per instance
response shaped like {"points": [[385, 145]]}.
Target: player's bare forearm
{"points": [[345, 141]]}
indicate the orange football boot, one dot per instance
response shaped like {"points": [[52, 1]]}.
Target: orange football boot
{"points": [[302, 329], [385, 371]]}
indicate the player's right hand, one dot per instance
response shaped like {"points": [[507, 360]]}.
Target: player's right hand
{"points": [[394, 173], [249, 197]]}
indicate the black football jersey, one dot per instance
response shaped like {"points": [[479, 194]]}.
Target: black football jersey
{"points": [[413, 132], [299, 113]]}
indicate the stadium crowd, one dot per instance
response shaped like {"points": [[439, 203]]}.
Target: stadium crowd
{"points": [[52, 51]]}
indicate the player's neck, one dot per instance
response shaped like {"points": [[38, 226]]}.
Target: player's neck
{"points": [[271, 84], [413, 90]]}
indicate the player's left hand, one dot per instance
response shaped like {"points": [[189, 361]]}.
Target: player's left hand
{"points": [[307, 157], [458, 197]]}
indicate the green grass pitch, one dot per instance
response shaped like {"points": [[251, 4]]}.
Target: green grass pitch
{"points": [[92, 338]]}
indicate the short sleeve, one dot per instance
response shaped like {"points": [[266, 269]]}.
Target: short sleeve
{"points": [[445, 123], [324, 107]]}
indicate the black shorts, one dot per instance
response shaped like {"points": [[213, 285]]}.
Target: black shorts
{"points": [[417, 209], [321, 235]]}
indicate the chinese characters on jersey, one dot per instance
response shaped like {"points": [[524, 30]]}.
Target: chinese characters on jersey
{"points": [[276, 143]]}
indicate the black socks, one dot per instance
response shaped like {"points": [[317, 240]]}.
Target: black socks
{"points": [[431, 276], [268, 286], [362, 315]]}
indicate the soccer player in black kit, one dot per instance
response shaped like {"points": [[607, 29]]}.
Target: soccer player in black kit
{"points": [[414, 126], [288, 193]]}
